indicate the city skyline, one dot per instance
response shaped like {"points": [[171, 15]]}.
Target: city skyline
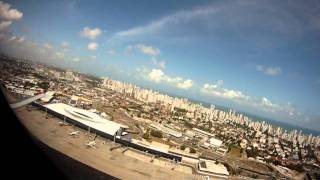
{"points": [[221, 52], [116, 110]]}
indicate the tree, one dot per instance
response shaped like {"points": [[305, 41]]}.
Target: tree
{"points": [[192, 150], [297, 167], [156, 133], [44, 85], [183, 147], [254, 176], [187, 124], [252, 153], [146, 135]]}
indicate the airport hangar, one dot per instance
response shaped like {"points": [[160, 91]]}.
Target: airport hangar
{"points": [[96, 124]]}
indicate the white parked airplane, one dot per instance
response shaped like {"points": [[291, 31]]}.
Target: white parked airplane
{"points": [[91, 144], [74, 134]]}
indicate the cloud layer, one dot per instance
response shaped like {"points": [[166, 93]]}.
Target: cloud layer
{"points": [[144, 49], [92, 46], [159, 63], [8, 13], [158, 76], [271, 71], [219, 91], [258, 103], [89, 33], [220, 19], [4, 25], [154, 26]]}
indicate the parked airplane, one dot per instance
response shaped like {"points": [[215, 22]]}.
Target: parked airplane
{"points": [[91, 144], [74, 134]]}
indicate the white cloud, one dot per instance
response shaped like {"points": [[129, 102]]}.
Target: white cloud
{"points": [[263, 103], [44, 52], [160, 64], [158, 76], [186, 84], [90, 33], [8, 13], [219, 91], [149, 50], [181, 16], [145, 49], [271, 71], [92, 46], [220, 16], [22, 47], [4, 25], [14, 39], [266, 102]]}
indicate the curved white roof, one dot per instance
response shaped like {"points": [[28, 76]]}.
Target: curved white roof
{"points": [[86, 117]]}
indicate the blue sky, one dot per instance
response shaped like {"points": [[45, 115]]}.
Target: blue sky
{"points": [[255, 56]]}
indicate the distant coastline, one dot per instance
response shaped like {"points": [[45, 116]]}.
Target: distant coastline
{"points": [[274, 123]]}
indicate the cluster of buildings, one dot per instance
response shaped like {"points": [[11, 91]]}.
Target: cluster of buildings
{"points": [[195, 111], [23, 86], [189, 129]]}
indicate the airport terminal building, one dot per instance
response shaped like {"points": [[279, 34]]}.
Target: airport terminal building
{"points": [[87, 119], [103, 127]]}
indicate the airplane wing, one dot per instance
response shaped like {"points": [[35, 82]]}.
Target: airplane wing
{"points": [[27, 101]]}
